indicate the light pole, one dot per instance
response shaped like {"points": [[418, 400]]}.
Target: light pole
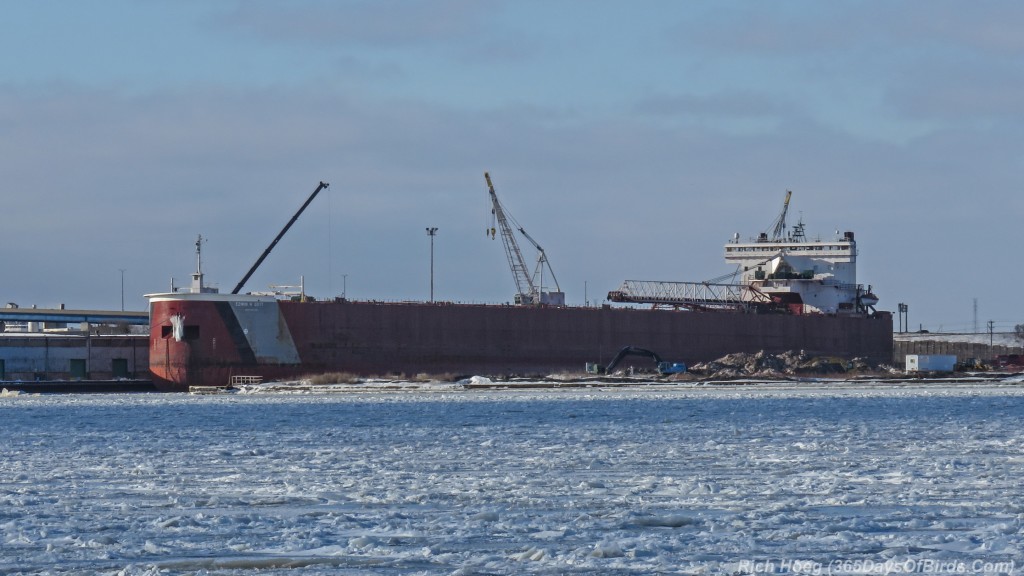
{"points": [[122, 288], [344, 286], [431, 231]]}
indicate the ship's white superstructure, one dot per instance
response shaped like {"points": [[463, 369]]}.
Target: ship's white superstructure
{"points": [[809, 276], [781, 272]]}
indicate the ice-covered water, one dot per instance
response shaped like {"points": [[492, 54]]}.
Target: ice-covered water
{"points": [[846, 479]]}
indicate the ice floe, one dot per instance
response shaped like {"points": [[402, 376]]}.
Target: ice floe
{"points": [[439, 479]]}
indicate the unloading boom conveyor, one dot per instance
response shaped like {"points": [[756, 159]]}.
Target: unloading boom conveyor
{"points": [[280, 235], [687, 294]]}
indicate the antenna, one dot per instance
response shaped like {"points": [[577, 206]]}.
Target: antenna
{"points": [[199, 254], [197, 276]]}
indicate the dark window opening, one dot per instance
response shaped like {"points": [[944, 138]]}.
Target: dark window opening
{"points": [[78, 369], [191, 332], [165, 331], [119, 368]]}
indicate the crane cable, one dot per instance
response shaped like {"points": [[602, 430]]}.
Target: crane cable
{"points": [[491, 230]]}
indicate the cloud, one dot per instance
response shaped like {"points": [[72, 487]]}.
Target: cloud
{"points": [[374, 33], [101, 180], [718, 106], [959, 92], [769, 30], [807, 28], [380, 24], [891, 71], [991, 28]]}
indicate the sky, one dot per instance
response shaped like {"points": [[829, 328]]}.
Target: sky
{"points": [[631, 140]]}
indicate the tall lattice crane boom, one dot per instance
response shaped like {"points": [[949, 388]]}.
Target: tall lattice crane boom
{"points": [[525, 289]]}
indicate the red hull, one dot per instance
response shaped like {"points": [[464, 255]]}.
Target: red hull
{"points": [[225, 336]]}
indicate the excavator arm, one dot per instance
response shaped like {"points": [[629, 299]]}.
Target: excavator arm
{"points": [[631, 351], [664, 368]]}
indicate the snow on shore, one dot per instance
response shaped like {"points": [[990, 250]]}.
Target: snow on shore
{"points": [[998, 338]]}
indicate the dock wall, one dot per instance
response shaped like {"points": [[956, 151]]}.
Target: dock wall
{"points": [[962, 350], [73, 357]]}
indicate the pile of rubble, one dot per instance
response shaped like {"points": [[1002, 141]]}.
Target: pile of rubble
{"points": [[784, 365]]}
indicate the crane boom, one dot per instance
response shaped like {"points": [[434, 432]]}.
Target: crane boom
{"points": [[542, 262], [779, 226], [524, 283], [280, 235]]}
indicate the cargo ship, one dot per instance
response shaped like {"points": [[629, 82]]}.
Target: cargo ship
{"points": [[793, 294]]}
